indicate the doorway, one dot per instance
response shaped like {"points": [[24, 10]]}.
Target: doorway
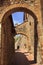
{"points": [[8, 33]]}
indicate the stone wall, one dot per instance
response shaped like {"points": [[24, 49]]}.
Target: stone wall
{"points": [[6, 9], [8, 42]]}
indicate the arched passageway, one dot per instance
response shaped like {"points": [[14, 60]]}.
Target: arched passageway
{"points": [[8, 32]]}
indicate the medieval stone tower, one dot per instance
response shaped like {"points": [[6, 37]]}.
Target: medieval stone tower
{"points": [[31, 28]]}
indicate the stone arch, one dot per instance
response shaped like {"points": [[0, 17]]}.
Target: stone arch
{"points": [[22, 9], [22, 35], [6, 14]]}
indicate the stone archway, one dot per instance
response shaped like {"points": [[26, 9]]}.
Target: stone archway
{"points": [[7, 35], [21, 37]]}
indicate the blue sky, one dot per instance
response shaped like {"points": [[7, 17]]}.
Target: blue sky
{"points": [[17, 17]]}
